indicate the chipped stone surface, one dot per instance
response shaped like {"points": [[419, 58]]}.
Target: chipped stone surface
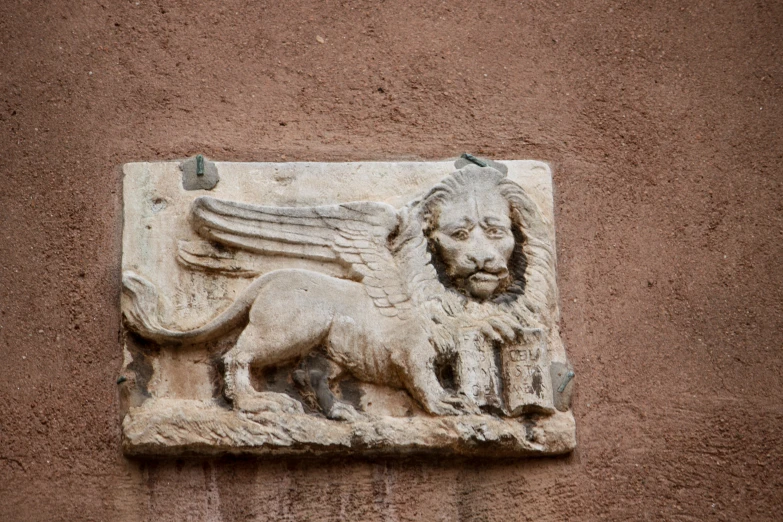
{"points": [[363, 308], [176, 426]]}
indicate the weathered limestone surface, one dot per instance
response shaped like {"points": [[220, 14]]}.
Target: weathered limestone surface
{"points": [[363, 308], [174, 427]]}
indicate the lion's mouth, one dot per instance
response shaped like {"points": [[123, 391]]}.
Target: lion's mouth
{"points": [[488, 277], [484, 277], [483, 284]]}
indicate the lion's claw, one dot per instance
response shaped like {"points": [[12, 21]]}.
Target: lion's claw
{"points": [[343, 412], [453, 405], [267, 402]]}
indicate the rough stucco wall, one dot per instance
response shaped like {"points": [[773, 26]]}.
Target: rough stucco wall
{"points": [[662, 124]]}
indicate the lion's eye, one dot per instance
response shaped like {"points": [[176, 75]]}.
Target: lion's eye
{"points": [[495, 232], [460, 235]]}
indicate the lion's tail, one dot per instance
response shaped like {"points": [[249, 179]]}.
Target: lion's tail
{"points": [[143, 317]]}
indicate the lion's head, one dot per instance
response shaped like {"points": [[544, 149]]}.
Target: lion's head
{"points": [[488, 239]]}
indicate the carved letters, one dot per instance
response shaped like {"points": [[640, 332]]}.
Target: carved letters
{"points": [[265, 319]]}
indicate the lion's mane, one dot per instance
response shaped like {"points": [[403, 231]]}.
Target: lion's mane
{"points": [[530, 296]]}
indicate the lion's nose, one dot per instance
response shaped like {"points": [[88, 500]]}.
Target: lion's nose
{"points": [[481, 259]]}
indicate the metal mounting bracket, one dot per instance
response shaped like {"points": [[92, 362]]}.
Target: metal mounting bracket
{"points": [[198, 173]]}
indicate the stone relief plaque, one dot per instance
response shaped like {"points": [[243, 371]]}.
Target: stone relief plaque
{"points": [[342, 308]]}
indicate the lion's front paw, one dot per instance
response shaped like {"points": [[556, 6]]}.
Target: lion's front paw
{"points": [[501, 329], [343, 412], [449, 404], [267, 402], [467, 404]]}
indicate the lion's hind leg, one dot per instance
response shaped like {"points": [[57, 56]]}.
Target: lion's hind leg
{"points": [[238, 387], [242, 394], [316, 377], [289, 317]]}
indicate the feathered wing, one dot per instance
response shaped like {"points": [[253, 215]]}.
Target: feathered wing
{"points": [[356, 235]]}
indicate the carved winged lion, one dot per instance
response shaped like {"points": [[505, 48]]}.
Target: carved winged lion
{"points": [[473, 253]]}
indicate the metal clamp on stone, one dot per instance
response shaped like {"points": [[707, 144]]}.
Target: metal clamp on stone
{"points": [[467, 159], [198, 173]]}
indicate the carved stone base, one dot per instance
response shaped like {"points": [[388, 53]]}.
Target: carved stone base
{"points": [[181, 427]]}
